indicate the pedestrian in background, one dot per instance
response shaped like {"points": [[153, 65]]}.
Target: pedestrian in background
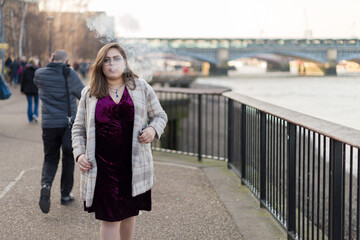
{"points": [[30, 89], [22, 65], [7, 68], [55, 124], [14, 77], [83, 68], [118, 117]]}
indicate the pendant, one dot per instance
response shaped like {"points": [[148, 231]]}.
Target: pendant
{"points": [[116, 93]]}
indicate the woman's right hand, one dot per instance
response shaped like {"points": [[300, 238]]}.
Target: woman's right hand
{"points": [[84, 165]]}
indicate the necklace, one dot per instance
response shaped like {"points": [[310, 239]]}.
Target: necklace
{"points": [[115, 90]]}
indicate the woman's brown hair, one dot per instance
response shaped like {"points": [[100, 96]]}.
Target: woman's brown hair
{"points": [[98, 84]]}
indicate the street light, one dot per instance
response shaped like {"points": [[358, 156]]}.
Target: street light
{"points": [[73, 29], [50, 20], [2, 36]]}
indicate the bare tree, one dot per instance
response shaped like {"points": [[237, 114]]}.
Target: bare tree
{"points": [[24, 7], [12, 19], [28, 34]]}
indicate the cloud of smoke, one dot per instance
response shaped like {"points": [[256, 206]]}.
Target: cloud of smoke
{"points": [[136, 49], [103, 25], [128, 23]]}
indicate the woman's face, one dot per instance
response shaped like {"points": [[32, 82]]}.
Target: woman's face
{"points": [[114, 65]]}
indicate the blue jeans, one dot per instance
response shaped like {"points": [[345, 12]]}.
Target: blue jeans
{"points": [[15, 77], [30, 111]]}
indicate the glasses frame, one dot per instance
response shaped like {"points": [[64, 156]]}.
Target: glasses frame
{"points": [[113, 61]]}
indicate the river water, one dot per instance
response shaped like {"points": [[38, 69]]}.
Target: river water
{"points": [[332, 98]]}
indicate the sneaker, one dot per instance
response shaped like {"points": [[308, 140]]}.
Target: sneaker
{"points": [[68, 199], [44, 201], [35, 118]]}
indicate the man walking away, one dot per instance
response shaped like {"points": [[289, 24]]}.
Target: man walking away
{"points": [[55, 125]]}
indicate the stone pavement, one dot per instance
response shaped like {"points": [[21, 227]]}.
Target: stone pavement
{"points": [[191, 200]]}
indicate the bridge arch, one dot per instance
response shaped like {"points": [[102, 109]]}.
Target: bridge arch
{"points": [[320, 58]]}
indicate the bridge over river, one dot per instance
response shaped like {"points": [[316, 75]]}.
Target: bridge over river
{"points": [[326, 53]]}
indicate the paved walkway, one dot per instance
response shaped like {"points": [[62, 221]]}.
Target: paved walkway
{"points": [[191, 200]]}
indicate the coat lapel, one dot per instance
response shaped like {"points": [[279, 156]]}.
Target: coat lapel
{"points": [[91, 127], [137, 98]]}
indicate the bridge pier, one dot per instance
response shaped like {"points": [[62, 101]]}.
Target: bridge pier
{"points": [[216, 70], [222, 67], [330, 66], [330, 71]]}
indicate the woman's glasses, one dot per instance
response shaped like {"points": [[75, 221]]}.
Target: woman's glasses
{"points": [[115, 61]]}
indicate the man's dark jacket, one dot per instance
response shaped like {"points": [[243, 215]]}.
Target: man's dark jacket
{"points": [[52, 92]]}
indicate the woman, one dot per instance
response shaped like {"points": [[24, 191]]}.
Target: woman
{"points": [[30, 89], [118, 117]]}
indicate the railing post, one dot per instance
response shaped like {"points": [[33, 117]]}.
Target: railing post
{"points": [[262, 159], [336, 204], [199, 128], [291, 182], [230, 131], [243, 142]]}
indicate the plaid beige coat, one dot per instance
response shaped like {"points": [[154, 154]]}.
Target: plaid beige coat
{"points": [[148, 112]]}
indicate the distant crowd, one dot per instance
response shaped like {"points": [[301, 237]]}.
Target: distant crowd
{"points": [[14, 68]]}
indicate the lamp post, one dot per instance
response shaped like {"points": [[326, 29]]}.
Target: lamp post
{"points": [[73, 29], [50, 20], [2, 36]]}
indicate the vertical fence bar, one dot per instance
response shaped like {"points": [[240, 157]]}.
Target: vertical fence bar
{"points": [[199, 128], [277, 167], [336, 232], [262, 169], [283, 143], [238, 139], [324, 189], [298, 177], [225, 127], [343, 185], [176, 119], [350, 192], [291, 183], [206, 125], [318, 189], [212, 125], [183, 114], [313, 186], [272, 152], [281, 177], [268, 160], [358, 197], [303, 183], [230, 131], [188, 124], [193, 122], [218, 128], [308, 186], [172, 122], [243, 142]]}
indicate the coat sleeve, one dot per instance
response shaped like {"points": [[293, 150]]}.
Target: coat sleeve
{"points": [[156, 115], [77, 85], [79, 127]]}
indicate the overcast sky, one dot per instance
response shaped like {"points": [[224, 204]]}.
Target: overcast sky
{"points": [[233, 18]]}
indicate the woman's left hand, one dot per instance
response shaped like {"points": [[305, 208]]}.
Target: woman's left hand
{"points": [[147, 135]]}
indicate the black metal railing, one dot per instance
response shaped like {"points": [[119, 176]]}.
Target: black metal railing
{"points": [[304, 170], [196, 122]]}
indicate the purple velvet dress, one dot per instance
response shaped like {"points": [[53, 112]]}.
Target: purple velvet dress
{"points": [[114, 130]]}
